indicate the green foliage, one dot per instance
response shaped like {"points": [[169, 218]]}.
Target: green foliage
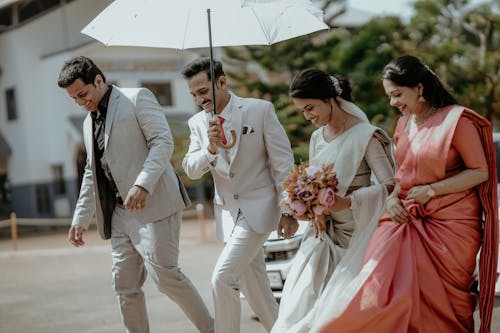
{"points": [[460, 42], [180, 133]]}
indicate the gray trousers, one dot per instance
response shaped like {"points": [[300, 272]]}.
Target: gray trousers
{"points": [[139, 249]]}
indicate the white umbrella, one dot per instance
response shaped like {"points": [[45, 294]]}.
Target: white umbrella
{"points": [[202, 23], [183, 24]]}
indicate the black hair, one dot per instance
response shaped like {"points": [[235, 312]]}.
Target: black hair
{"points": [[314, 83], [202, 65], [79, 68], [409, 71]]}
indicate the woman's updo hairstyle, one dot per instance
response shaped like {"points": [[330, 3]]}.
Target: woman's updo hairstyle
{"points": [[409, 71], [314, 83]]}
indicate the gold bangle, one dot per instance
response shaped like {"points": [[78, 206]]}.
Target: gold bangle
{"points": [[430, 192]]}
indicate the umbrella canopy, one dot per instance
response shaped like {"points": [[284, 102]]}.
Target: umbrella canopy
{"points": [[184, 24], [203, 23]]}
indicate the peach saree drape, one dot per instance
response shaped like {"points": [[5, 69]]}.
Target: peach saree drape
{"points": [[423, 268]]}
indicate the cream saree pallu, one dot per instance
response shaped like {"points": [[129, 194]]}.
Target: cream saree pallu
{"points": [[421, 270], [318, 258]]}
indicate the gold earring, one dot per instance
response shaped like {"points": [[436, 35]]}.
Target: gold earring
{"points": [[421, 98]]}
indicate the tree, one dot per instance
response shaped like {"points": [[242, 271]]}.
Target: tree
{"points": [[359, 56], [461, 43], [458, 40]]}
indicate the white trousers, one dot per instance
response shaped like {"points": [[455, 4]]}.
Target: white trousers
{"points": [[139, 249], [241, 266]]}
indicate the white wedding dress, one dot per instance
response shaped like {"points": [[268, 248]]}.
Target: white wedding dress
{"points": [[361, 154]]}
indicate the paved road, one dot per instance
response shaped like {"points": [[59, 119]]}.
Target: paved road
{"points": [[47, 286]]}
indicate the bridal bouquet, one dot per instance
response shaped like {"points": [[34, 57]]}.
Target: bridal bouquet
{"points": [[310, 190]]}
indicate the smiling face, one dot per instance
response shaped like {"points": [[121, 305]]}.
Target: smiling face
{"points": [[403, 98], [315, 110], [88, 95], [200, 88]]}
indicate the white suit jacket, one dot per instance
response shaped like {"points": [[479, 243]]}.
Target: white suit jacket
{"points": [[138, 146], [251, 180]]}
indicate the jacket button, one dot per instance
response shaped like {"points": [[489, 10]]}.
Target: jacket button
{"points": [[231, 175], [236, 197]]}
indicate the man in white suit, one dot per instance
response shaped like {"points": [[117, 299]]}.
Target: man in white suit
{"points": [[248, 179], [134, 192]]}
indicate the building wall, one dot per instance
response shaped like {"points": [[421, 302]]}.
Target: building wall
{"points": [[43, 135]]}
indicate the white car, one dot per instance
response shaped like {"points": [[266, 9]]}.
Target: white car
{"points": [[279, 253]]}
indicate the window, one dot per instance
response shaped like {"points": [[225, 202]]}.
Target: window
{"points": [[31, 9], [10, 97], [5, 18], [4, 192], [5, 206], [162, 91], [58, 176], [19, 12], [43, 199]]}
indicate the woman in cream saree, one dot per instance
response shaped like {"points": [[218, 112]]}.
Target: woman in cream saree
{"points": [[360, 152]]}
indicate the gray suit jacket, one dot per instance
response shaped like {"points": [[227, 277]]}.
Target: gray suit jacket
{"points": [[138, 147], [251, 180]]}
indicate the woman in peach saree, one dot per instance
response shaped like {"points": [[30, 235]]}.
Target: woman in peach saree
{"points": [[419, 265]]}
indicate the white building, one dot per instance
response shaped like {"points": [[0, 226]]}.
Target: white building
{"points": [[40, 126]]}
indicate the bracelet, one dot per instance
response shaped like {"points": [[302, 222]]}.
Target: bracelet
{"points": [[431, 192], [391, 197]]}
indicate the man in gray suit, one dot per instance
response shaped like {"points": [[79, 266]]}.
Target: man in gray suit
{"points": [[248, 179], [134, 192]]}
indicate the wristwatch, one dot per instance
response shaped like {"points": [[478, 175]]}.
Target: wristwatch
{"points": [[430, 191]]}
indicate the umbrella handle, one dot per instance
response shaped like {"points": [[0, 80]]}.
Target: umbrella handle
{"points": [[231, 143]]}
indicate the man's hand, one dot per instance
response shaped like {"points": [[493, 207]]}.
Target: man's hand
{"points": [[75, 235], [214, 136], [136, 198], [287, 227]]}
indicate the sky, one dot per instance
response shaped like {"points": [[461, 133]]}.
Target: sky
{"points": [[401, 7]]}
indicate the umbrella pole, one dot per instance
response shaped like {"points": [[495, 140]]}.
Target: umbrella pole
{"points": [[212, 69], [212, 79]]}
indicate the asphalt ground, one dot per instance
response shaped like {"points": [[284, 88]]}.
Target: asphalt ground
{"points": [[48, 286]]}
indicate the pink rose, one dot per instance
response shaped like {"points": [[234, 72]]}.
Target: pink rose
{"points": [[298, 208], [326, 197], [318, 210], [306, 195]]}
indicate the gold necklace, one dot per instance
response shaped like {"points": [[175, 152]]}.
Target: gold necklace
{"points": [[427, 115]]}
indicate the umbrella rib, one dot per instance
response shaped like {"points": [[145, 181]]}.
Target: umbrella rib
{"points": [[262, 27], [185, 30]]}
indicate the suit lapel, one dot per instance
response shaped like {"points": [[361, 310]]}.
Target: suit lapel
{"points": [[206, 119], [112, 106], [88, 135], [236, 124]]}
